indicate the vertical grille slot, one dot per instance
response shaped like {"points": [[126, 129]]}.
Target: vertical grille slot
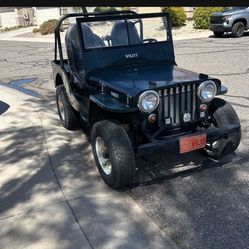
{"points": [[175, 101]]}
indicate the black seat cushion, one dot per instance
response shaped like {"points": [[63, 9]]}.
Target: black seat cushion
{"points": [[73, 49], [91, 40], [74, 52], [119, 33]]}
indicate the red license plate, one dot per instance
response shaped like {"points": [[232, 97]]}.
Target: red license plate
{"points": [[192, 143]]}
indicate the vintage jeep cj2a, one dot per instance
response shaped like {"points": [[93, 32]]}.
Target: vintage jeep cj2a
{"points": [[120, 80]]}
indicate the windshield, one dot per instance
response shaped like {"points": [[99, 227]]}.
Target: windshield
{"points": [[124, 32]]}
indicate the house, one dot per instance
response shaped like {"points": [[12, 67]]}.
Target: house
{"points": [[8, 17], [11, 16]]}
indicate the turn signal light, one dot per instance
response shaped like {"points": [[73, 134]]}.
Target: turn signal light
{"points": [[152, 118], [203, 107]]}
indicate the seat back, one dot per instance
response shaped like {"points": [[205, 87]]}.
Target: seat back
{"points": [[119, 33], [72, 40], [73, 48]]}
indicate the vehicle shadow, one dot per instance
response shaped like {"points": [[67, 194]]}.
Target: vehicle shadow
{"points": [[50, 187], [229, 35], [160, 168], [3, 107]]}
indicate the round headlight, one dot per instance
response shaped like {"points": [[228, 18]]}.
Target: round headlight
{"points": [[148, 101], [207, 90]]}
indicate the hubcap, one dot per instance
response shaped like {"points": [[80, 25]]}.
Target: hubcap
{"points": [[61, 108], [240, 30], [102, 154]]}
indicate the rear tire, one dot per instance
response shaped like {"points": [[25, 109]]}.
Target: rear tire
{"points": [[222, 114], [68, 116], [113, 154], [218, 34], [238, 29]]}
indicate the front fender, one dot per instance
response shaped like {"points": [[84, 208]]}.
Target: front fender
{"points": [[223, 90], [111, 104]]}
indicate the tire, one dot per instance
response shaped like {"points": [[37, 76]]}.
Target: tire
{"points": [[238, 29], [115, 160], [68, 116], [221, 114], [218, 34]]}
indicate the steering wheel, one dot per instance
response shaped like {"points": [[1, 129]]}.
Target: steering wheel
{"points": [[149, 40], [108, 39]]}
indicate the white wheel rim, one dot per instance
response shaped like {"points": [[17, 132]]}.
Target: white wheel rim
{"points": [[61, 108], [103, 157]]}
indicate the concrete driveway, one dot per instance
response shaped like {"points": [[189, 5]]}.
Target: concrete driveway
{"points": [[197, 202], [50, 193]]}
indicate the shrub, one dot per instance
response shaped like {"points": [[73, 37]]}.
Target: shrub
{"points": [[36, 30], [48, 27], [177, 15], [202, 15], [104, 9], [125, 8]]}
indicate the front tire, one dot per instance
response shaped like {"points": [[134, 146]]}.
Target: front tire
{"points": [[222, 114], [113, 154], [238, 29], [68, 116]]}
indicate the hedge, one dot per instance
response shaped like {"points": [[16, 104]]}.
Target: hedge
{"points": [[48, 27], [202, 16], [177, 15], [36, 30], [104, 9]]}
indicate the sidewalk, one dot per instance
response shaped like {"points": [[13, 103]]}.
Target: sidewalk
{"points": [[26, 35], [50, 192]]}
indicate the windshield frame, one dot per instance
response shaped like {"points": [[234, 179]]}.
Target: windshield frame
{"points": [[125, 17]]}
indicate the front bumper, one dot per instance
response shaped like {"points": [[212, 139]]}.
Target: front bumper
{"points": [[171, 144], [219, 28]]}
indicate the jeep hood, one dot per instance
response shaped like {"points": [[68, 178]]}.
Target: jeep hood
{"points": [[135, 78]]}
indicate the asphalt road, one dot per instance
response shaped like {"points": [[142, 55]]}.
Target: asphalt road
{"points": [[198, 202]]}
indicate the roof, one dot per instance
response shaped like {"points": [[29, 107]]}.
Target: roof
{"points": [[7, 9]]}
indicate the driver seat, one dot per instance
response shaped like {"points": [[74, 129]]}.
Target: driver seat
{"points": [[75, 57], [119, 33]]}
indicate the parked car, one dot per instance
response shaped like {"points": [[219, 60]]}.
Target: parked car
{"points": [[121, 82], [235, 20]]}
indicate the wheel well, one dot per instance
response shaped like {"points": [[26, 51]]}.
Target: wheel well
{"points": [[241, 20], [96, 113], [58, 80]]}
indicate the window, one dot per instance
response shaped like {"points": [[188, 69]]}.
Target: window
{"points": [[124, 32]]}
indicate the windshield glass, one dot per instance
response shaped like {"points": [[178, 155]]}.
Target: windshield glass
{"points": [[99, 34]]}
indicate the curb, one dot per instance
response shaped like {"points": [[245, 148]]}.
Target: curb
{"points": [[51, 40]]}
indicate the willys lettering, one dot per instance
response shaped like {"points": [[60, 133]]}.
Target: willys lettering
{"points": [[130, 56]]}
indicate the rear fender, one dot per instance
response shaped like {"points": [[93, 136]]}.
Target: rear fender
{"points": [[61, 73]]}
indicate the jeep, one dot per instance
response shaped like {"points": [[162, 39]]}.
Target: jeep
{"points": [[235, 20], [118, 80]]}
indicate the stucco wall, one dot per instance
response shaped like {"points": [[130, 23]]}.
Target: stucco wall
{"points": [[42, 15], [8, 19]]}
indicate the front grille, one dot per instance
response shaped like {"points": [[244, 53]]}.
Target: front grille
{"points": [[176, 101], [216, 20]]}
